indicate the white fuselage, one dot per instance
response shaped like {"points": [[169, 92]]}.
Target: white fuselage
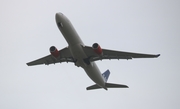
{"points": [[76, 49]]}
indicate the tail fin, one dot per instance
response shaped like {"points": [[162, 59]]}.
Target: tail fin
{"points": [[106, 75]]}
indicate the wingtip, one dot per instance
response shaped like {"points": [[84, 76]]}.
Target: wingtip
{"points": [[28, 64], [158, 55]]}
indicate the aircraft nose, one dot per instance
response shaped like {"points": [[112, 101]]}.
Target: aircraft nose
{"points": [[59, 19], [58, 16]]}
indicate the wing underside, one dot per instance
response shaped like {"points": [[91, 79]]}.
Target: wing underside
{"points": [[112, 54], [65, 56]]}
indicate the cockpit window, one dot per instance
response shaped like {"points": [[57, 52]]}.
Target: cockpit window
{"points": [[60, 24]]}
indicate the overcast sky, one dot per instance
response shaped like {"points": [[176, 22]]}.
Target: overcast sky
{"points": [[28, 29]]}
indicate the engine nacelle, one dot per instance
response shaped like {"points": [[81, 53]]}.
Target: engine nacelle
{"points": [[54, 52], [97, 49]]}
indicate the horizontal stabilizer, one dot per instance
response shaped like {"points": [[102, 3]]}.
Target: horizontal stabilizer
{"points": [[107, 85], [93, 87], [111, 85]]}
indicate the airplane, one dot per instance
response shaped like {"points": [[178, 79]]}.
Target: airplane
{"points": [[85, 56]]}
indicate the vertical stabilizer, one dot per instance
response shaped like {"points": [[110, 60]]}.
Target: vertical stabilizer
{"points": [[106, 75]]}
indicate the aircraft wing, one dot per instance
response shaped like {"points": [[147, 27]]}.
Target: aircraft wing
{"points": [[112, 54], [65, 56]]}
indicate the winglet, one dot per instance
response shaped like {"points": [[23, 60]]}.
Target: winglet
{"points": [[158, 55]]}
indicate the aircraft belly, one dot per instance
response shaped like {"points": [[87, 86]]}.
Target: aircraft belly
{"points": [[78, 54], [70, 33], [93, 72], [75, 45]]}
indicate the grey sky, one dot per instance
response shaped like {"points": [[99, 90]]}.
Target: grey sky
{"points": [[28, 29]]}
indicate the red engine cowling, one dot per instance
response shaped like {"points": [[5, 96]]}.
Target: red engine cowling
{"points": [[97, 49], [54, 52]]}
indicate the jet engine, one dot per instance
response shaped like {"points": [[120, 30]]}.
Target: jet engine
{"points": [[54, 52], [97, 49]]}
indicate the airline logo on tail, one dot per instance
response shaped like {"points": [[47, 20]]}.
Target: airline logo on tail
{"points": [[106, 75]]}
